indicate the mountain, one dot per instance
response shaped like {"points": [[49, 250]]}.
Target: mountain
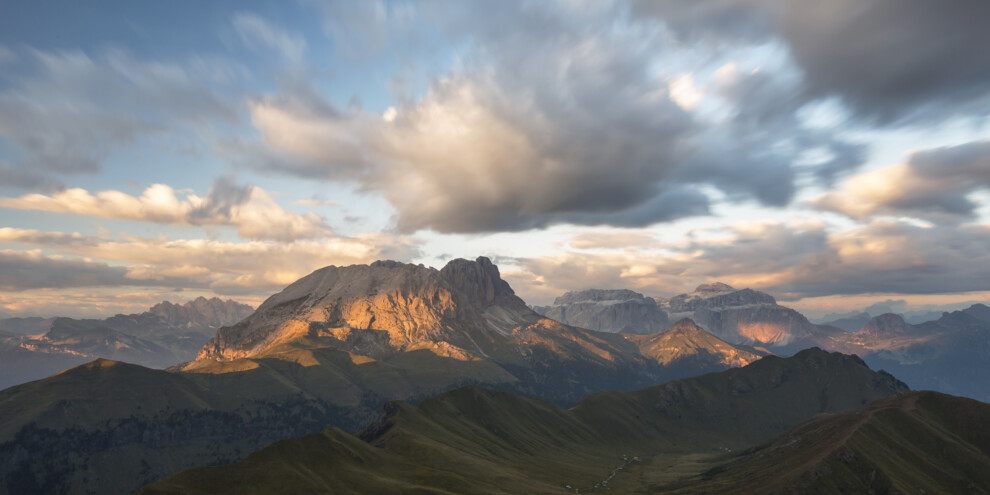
{"points": [[25, 326], [110, 427], [744, 316], [476, 441], [737, 316], [851, 323], [165, 335], [607, 311], [886, 326], [328, 350], [948, 355], [919, 442], [405, 315], [687, 345]]}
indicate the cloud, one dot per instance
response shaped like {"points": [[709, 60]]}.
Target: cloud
{"points": [[74, 110], [887, 306], [790, 260], [250, 209], [254, 267], [932, 185], [888, 60], [589, 144], [257, 33], [613, 240], [94, 302], [553, 116], [360, 28], [26, 270]]}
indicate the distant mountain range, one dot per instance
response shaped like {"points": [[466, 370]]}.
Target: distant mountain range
{"points": [[33, 348], [740, 316], [947, 354], [608, 311]]}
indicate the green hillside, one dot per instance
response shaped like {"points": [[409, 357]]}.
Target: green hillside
{"points": [[915, 443], [472, 440], [110, 427]]}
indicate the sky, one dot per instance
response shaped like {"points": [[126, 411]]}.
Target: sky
{"points": [[835, 155]]}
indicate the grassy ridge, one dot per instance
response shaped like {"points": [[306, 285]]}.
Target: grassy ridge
{"points": [[917, 442], [477, 441]]}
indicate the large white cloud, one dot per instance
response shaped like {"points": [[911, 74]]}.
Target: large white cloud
{"points": [[556, 113]]}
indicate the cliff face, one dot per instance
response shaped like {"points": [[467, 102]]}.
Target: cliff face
{"points": [[608, 311], [201, 312], [465, 305], [740, 316], [886, 326]]}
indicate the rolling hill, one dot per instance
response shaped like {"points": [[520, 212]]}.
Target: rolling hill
{"points": [[473, 440]]}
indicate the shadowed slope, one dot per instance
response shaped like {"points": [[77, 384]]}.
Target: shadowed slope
{"points": [[919, 442], [476, 441]]}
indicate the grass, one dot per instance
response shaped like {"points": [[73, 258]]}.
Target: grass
{"points": [[475, 441]]}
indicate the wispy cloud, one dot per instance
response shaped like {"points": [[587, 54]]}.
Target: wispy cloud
{"points": [[74, 110], [258, 33]]}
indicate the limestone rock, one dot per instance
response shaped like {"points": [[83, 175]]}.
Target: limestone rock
{"points": [[608, 311]]}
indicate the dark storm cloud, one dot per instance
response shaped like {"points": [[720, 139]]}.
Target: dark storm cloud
{"points": [[888, 60]]}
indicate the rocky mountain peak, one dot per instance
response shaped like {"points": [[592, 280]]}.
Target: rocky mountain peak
{"points": [[601, 295], [713, 288], [201, 312], [607, 310], [479, 280], [886, 326], [404, 305], [685, 326], [715, 296], [685, 341]]}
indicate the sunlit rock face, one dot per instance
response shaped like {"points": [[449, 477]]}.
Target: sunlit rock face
{"points": [[608, 311], [686, 342], [466, 305], [739, 316]]}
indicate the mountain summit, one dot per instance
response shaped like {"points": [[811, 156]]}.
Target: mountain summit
{"points": [[411, 319], [398, 306], [607, 311]]}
